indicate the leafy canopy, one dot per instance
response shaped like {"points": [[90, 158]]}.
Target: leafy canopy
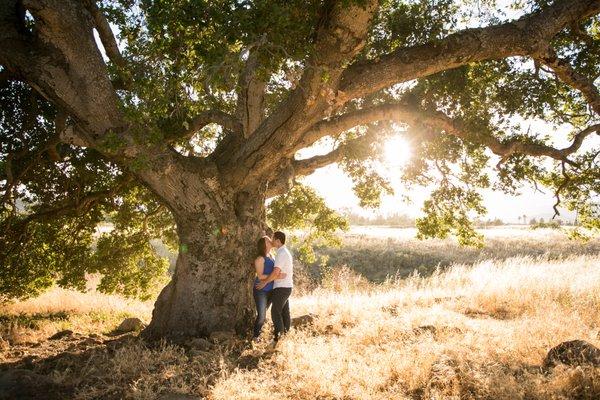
{"points": [[186, 57]]}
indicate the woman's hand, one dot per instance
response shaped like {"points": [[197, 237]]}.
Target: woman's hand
{"points": [[260, 285]]}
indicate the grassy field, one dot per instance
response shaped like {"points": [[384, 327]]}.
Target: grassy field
{"points": [[378, 253], [478, 330]]}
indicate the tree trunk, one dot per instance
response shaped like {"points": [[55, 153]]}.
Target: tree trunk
{"points": [[211, 288]]}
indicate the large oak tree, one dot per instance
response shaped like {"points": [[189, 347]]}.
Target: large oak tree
{"points": [[196, 110]]}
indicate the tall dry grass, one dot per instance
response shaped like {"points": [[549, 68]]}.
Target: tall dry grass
{"points": [[380, 252], [58, 309], [487, 330], [466, 331]]}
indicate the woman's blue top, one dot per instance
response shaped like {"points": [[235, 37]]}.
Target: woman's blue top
{"points": [[269, 265]]}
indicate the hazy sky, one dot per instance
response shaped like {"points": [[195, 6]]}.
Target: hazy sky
{"points": [[336, 187]]}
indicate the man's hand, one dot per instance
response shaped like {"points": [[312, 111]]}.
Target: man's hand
{"points": [[260, 285]]}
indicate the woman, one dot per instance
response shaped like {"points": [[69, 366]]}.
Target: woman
{"points": [[264, 265]]}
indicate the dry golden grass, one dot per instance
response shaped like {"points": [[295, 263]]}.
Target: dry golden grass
{"points": [[494, 323], [379, 252], [468, 332], [58, 309]]}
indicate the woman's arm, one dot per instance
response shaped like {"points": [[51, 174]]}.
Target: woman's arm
{"points": [[259, 265]]}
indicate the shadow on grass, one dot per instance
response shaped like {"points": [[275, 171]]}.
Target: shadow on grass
{"points": [[32, 321], [56, 369]]}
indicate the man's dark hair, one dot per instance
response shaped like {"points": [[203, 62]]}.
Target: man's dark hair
{"points": [[279, 236]]}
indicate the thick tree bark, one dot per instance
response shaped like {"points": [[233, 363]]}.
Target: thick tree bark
{"points": [[218, 226], [211, 289]]}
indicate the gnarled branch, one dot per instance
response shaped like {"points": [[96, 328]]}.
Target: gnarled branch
{"points": [[413, 116], [60, 60], [227, 121], [251, 96], [339, 38], [566, 73], [308, 165], [106, 35], [527, 36], [343, 122]]}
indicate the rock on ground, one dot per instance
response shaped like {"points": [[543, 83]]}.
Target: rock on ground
{"points": [[573, 353], [130, 325], [61, 335], [303, 320]]}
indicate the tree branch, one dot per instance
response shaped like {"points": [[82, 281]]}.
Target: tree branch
{"points": [[566, 73], [339, 38], [309, 165], [504, 148], [227, 121], [251, 95], [343, 122], [525, 36], [61, 61], [416, 117], [106, 35], [78, 205]]}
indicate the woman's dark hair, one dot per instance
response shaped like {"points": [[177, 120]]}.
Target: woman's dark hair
{"points": [[261, 247]]}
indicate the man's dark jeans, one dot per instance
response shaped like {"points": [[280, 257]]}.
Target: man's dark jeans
{"points": [[263, 301], [280, 310]]}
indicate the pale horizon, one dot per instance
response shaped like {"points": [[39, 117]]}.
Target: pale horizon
{"points": [[335, 186]]}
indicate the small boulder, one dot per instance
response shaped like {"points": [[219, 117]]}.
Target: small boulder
{"points": [[573, 353], [91, 341], [199, 344], [130, 325], [61, 335], [223, 336], [303, 320]]}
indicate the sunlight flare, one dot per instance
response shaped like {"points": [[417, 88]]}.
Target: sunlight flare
{"points": [[397, 151]]}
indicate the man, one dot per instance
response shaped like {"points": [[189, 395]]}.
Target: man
{"points": [[282, 288]]}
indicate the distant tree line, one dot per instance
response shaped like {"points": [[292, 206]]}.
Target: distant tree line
{"points": [[398, 220]]}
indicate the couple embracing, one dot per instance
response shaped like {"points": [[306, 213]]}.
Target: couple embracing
{"points": [[273, 284]]}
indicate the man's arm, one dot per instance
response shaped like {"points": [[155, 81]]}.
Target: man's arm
{"points": [[259, 265], [276, 274]]}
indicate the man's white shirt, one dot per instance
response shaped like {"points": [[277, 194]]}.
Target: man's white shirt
{"points": [[283, 261]]}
